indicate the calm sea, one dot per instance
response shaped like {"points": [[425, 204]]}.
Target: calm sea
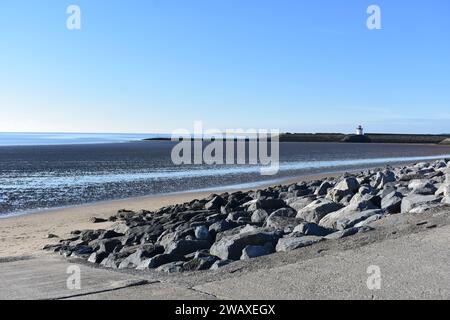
{"points": [[34, 139], [52, 170]]}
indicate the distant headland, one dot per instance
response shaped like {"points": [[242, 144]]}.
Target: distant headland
{"points": [[366, 138], [356, 138]]}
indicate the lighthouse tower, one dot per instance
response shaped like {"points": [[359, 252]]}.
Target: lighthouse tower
{"points": [[359, 131]]}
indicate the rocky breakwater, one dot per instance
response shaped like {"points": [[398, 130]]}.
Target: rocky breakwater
{"points": [[213, 232]]}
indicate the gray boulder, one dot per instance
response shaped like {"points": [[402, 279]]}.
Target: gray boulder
{"points": [[345, 188], [149, 233], [299, 203], [337, 195], [113, 260], [283, 212], [257, 251], [248, 228], [184, 247], [358, 198], [97, 220], [356, 217], [231, 247], [421, 165], [292, 243], [382, 178], [201, 232], [423, 187], [106, 245], [439, 164], [312, 229], [349, 216], [229, 207], [282, 219], [250, 205], [233, 232], [222, 226], [259, 216], [348, 184], [318, 209], [109, 234], [215, 203], [427, 172], [168, 237], [392, 202], [301, 193], [236, 215], [414, 200], [97, 257], [322, 190], [387, 190], [143, 253], [268, 204], [81, 251], [121, 227], [159, 260], [363, 190]]}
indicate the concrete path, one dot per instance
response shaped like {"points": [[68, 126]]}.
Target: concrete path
{"points": [[47, 277], [413, 266], [416, 266]]}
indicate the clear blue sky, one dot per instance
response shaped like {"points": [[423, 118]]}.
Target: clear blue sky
{"points": [[158, 65]]}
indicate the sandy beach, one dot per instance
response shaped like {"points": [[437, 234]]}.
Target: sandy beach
{"points": [[27, 234]]}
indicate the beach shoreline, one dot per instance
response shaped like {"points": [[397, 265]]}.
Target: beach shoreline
{"points": [[35, 178], [27, 234], [192, 194]]}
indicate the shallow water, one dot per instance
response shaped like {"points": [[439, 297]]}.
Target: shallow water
{"points": [[37, 139], [37, 177]]}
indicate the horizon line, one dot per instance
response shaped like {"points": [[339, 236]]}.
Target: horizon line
{"points": [[168, 133]]}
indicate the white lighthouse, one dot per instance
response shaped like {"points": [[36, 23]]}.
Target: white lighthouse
{"points": [[359, 131]]}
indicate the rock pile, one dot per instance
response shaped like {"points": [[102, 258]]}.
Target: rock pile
{"points": [[212, 232]]}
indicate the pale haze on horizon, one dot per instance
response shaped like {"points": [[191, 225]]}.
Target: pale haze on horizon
{"points": [[154, 66]]}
